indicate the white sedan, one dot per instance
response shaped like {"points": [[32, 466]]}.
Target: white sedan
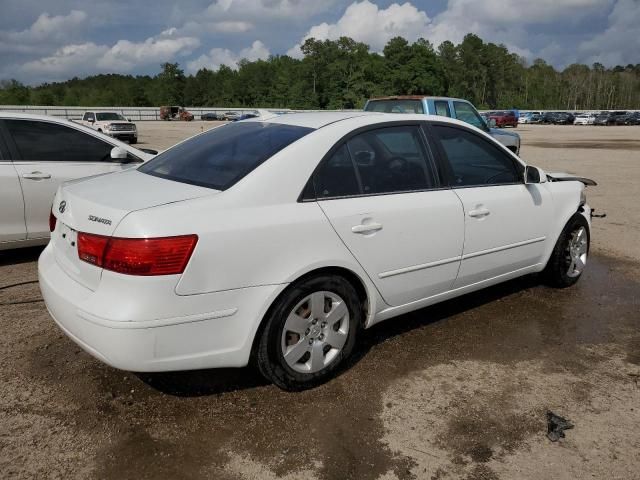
{"points": [[279, 239], [37, 154]]}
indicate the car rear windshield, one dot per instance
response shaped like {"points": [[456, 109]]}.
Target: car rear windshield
{"points": [[222, 156], [395, 106]]}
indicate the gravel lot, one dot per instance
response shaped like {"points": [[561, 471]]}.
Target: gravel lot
{"points": [[459, 390]]}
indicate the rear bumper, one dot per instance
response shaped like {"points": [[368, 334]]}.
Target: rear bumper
{"points": [[216, 330]]}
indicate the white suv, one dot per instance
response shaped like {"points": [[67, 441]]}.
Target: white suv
{"points": [[112, 124]]}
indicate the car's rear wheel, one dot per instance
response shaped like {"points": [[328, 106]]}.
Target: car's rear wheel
{"points": [[569, 256], [309, 332]]}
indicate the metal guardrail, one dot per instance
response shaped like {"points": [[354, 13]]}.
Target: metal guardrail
{"points": [[132, 113]]}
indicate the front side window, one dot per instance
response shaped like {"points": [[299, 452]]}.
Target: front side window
{"points": [[474, 161], [222, 156], [395, 106], [442, 108], [45, 142], [466, 113]]}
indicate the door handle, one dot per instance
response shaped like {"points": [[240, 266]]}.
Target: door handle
{"points": [[36, 175], [367, 228], [479, 212]]}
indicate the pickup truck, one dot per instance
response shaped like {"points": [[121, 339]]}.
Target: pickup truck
{"points": [[447, 107], [112, 124]]}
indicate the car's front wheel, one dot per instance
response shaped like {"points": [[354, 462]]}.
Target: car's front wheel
{"points": [[569, 256], [309, 332]]}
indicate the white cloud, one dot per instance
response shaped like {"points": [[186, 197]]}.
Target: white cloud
{"points": [[618, 44], [366, 22], [264, 9], [506, 21], [46, 31], [223, 56], [66, 62], [124, 56]]}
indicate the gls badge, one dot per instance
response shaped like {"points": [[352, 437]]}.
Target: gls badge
{"points": [[62, 206]]}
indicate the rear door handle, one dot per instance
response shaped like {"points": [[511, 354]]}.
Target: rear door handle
{"points": [[479, 212], [367, 228], [36, 175]]}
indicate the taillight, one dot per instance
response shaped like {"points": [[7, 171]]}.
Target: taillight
{"points": [[52, 221], [137, 256]]}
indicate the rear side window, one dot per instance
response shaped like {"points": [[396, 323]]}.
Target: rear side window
{"points": [[474, 161], [222, 156], [47, 142], [336, 177], [442, 108], [466, 113], [386, 160], [395, 106]]}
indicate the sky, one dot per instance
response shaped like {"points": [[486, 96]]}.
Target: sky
{"points": [[54, 40]]}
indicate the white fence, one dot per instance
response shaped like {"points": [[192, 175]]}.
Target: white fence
{"points": [[132, 113]]}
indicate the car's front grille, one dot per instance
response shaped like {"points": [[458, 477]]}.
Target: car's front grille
{"points": [[125, 127]]}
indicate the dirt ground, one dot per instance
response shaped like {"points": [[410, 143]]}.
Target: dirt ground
{"points": [[455, 391]]}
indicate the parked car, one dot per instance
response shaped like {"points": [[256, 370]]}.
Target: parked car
{"points": [[585, 119], [633, 119], [37, 154], [504, 118], [527, 117], [620, 118], [280, 239], [210, 116], [232, 116], [175, 112], [247, 115], [112, 124], [605, 118], [563, 118], [446, 107]]}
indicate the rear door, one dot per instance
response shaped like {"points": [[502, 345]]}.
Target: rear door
{"points": [[382, 194], [506, 221], [46, 154], [12, 227]]}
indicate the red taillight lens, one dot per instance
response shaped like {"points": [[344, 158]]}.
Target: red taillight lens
{"points": [[91, 248], [52, 221], [137, 256]]}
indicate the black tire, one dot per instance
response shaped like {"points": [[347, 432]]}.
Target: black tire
{"points": [[269, 355], [556, 273]]}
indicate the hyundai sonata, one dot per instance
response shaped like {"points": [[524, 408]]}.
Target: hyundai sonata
{"points": [[279, 239]]}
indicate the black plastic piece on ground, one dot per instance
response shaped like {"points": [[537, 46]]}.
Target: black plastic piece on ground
{"points": [[556, 425]]}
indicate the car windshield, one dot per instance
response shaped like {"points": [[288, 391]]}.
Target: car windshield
{"points": [[395, 106], [222, 156], [106, 116]]}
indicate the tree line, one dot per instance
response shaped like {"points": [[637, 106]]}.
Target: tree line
{"points": [[343, 74]]}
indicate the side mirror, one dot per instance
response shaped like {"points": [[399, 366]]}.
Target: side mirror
{"points": [[118, 153], [91, 120], [492, 123], [534, 175]]}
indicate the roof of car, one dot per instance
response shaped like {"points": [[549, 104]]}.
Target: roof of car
{"points": [[315, 119], [415, 97]]}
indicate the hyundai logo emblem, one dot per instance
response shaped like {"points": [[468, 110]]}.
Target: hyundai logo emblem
{"points": [[62, 206]]}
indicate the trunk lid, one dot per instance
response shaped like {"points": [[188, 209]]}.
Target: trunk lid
{"points": [[98, 204]]}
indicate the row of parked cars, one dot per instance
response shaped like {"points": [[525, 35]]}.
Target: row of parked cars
{"points": [[228, 116], [588, 118]]}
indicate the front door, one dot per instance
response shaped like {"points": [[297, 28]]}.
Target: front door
{"points": [[506, 221], [380, 192], [47, 154]]}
